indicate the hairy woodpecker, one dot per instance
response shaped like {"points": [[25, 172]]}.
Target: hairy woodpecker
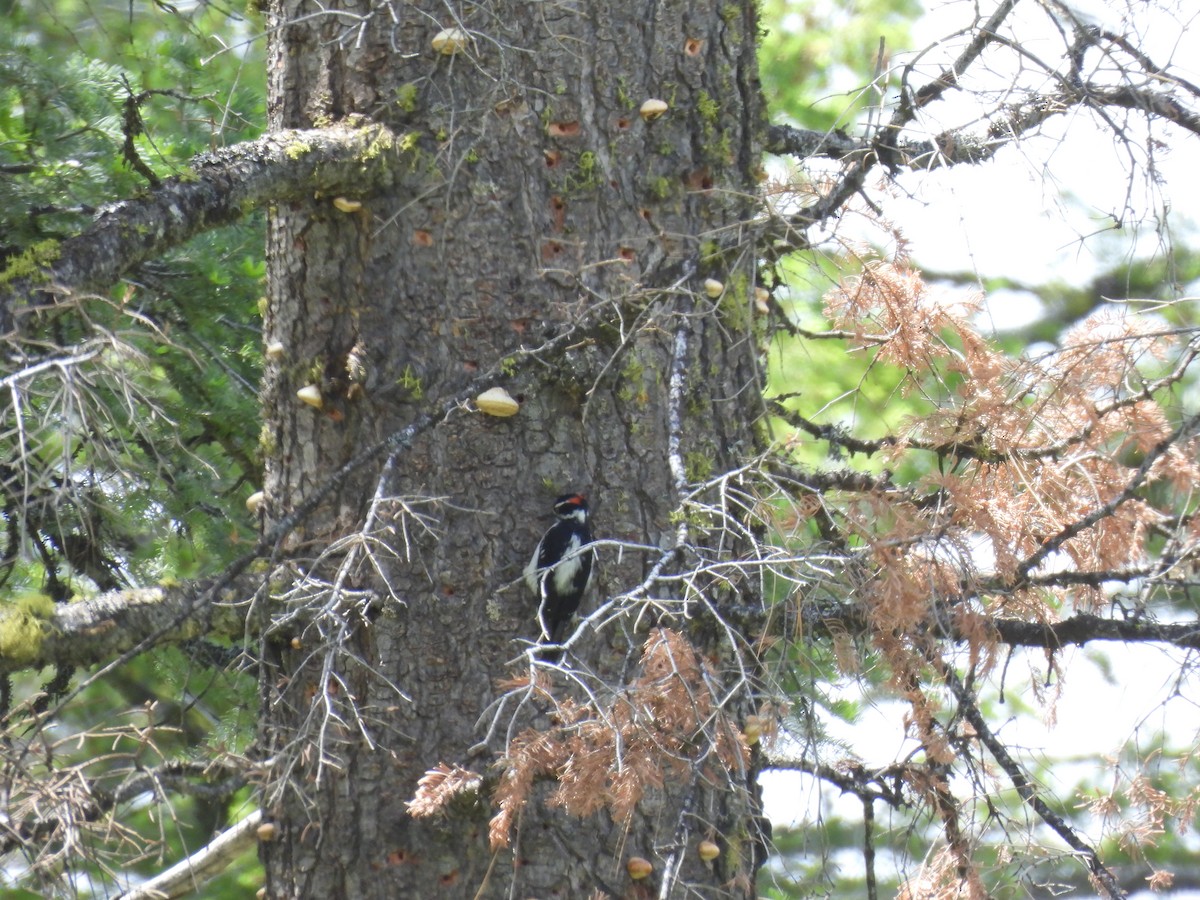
{"points": [[560, 569]]}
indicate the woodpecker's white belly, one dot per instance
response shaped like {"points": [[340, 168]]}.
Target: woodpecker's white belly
{"points": [[563, 574]]}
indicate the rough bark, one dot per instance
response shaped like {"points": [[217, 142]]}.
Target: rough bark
{"points": [[543, 203]]}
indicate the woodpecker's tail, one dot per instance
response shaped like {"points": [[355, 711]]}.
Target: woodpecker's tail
{"points": [[552, 655], [552, 633]]}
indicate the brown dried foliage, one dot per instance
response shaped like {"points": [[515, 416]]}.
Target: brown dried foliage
{"points": [[438, 786], [941, 878], [607, 758], [1030, 450], [1141, 813], [1066, 462]]}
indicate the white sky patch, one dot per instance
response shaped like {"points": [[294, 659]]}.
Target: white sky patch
{"points": [[1046, 208], [1015, 309]]}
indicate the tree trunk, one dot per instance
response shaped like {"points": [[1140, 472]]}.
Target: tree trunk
{"points": [[541, 211]]}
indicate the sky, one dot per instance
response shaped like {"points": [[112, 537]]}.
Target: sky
{"points": [[1044, 210]]}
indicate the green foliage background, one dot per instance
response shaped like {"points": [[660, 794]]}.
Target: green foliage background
{"points": [[147, 449]]}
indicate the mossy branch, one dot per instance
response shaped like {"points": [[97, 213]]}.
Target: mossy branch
{"points": [[100, 629], [220, 188]]}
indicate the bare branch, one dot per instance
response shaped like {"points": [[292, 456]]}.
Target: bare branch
{"points": [[40, 811], [1084, 628], [1025, 787], [958, 146], [806, 143], [850, 777], [827, 618], [948, 148], [949, 77], [206, 863]]}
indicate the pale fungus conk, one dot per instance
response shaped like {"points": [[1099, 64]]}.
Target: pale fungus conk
{"points": [[311, 394], [653, 109], [761, 300], [449, 41], [638, 867], [497, 402]]}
